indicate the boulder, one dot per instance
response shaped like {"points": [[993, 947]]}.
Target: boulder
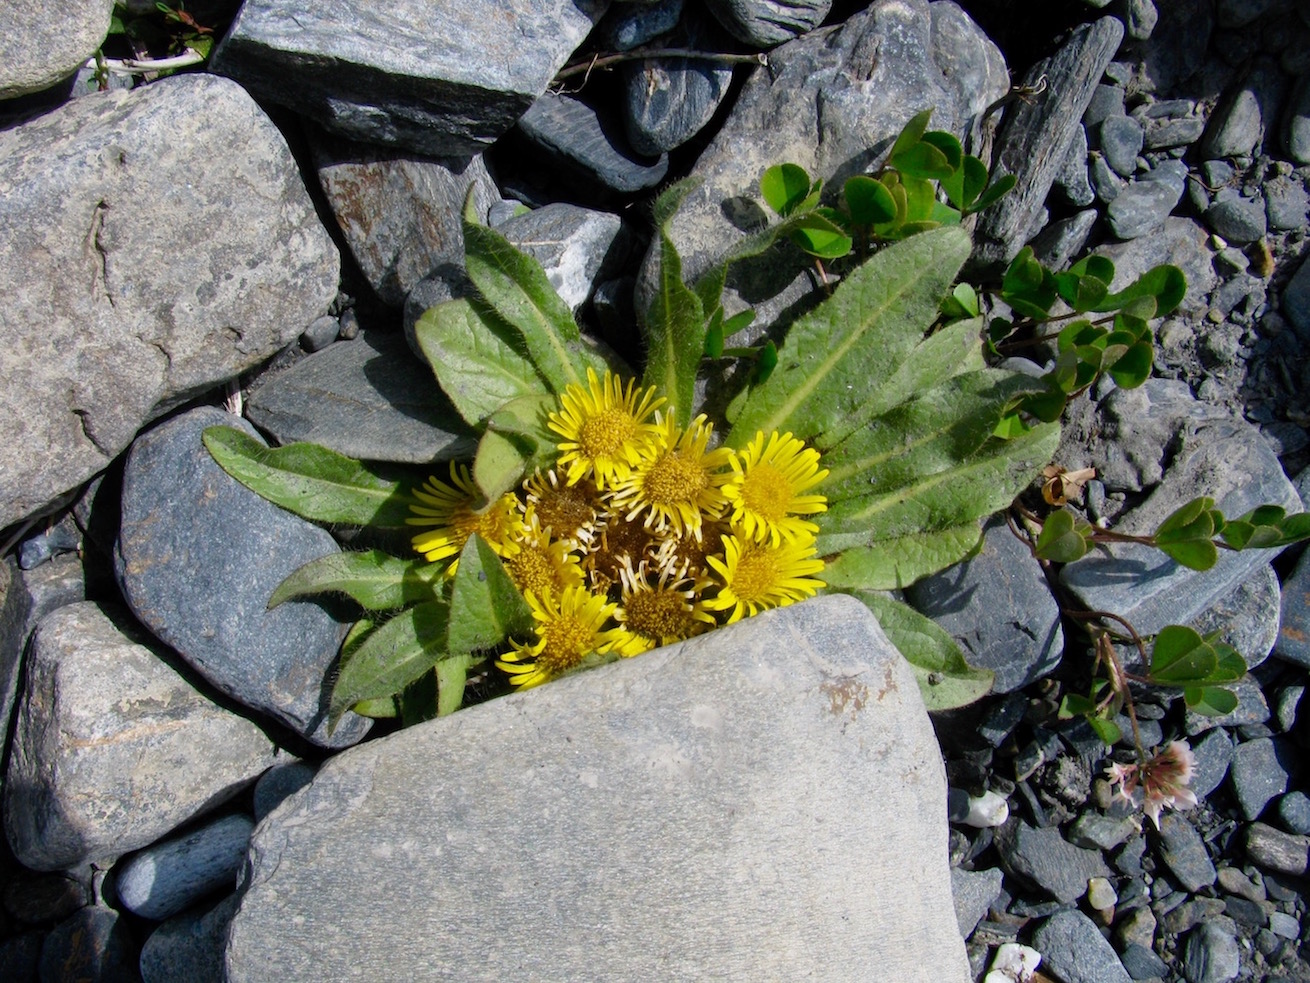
{"points": [[42, 43]]}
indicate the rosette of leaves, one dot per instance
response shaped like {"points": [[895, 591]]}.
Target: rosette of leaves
{"points": [[897, 398]]}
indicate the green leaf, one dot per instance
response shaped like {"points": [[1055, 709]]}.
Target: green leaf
{"points": [[452, 674], [837, 356], [377, 581], [309, 480], [819, 237], [995, 191], [675, 332], [1196, 555], [476, 358], [1186, 535], [893, 564], [784, 187], [515, 441], [714, 339], [1165, 284], [962, 303], [1027, 286], [383, 708], [392, 656], [766, 361], [517, 288], [1180, 656], [1107, 730], [1133, 367], [1098, 267], [923, 161], [418, 702], [948, 145], [868, 201], [966, 184], [1063, 538], [946, 681], [911, 133], [485, 606], [1210, 701]]}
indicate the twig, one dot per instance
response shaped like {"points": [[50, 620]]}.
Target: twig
{"points": [[604, 61], [143, 66]]}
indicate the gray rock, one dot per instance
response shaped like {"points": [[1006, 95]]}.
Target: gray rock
{"points": [[1239, 220], [278, 784], [824, 103], [1043, 857], [1183, 852], [764, 23], [1106, 184], [1105, 101], [1296, 128], [369, 398], [44, 43], [1259, 772], [172, 875], [1293, 643], [445, 80], [1142, 963], [575, 246], [1057, 244], [1144, 205], [1213, 754], [649, 800], [1287, 706], [93, 944], [1211, 954], [112, 748], [1141, 17], [189, 947], [399, 213], [973, 891], [1178, 45], [1284, 925], [1072, 181], [1076, 951], [1296, 299], [1237, 126], [1286, 203], [1036, 133], [1239, 13], [320, 334], [1121, 141], [1247, 617], [20, 956], [668, 100], [201, 580], [1252, 710], [1230, 463], [582, 142], [1162, 134], [997, 606], [94, 190], [1093, 831], [27, 596], [1272, 849], [1294, 812], [630, 25]]}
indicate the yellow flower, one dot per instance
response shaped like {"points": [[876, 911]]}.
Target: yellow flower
{"points": [[766, 490], [661, 613], [604, 428], [541, 564], [566, 511], [756, 576], [570, 627], [676, 482], [451, 510]]}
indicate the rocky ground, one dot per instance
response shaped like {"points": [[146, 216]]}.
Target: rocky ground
{"points": [[187, 246]]}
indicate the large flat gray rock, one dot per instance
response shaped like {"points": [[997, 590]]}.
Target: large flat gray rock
{"points": [[445, 79], [156, 263], [763, 802], [48, 40]]}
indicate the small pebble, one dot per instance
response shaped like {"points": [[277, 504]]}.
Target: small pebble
{"points": [[1294, 812], [1101, 894], [321, 333]]}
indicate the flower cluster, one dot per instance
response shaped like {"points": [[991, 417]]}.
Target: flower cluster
{"points": [[641, 534], [1157, 782]]}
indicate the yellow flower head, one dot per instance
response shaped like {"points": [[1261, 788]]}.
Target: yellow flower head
{"points": [[541, 564], [661, 613], [766, 491], [566, 511], [452, 513], [677, 481], [570, 627], [604, 428], [756, 576]]}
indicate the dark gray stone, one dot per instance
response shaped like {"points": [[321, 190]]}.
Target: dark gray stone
{"points": [[1120, 139], [575, 246], [42, 44], [172, 875], [113, 749], [1162, 134], [20, 956], [369, 398], [630, 25], [1239, 13], [1106, 184], [1093, 831], [1211, 954], [1239, 220], [997, 606], [164, 313], [1142, 963], [1296, 128], [399, 213], [1296, 299], [444, 80], [1183, 852], [1213, 754], [760, 844], [579, 140], [1286, 203], [1036, 133], [1287, 706], [201, 580], [1178, 45], [1294, 812], [1272, 849], [1237, 126], [1259, 772], [668, 100], [1057, 244], [93, 944], [1143, 206], [1140, 17], [1044, 858], [190, 946], [973, 891], [1072, 181], [320, 334], [1105, 101], [1246, 617], [1075, 950], [764, 23], [279, 783], [1293, 643]]}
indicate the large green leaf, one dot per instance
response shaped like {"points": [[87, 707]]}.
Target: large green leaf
{"points": [[893, 564], [516, 439], [392, 656], [376, 580], [310, 480], [485, 606], [674, 325], [836, 358], [475, 358], [515, 285], [946, 681]]}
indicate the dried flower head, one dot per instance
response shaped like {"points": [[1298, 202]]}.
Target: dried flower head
{"points": [[1158, 782]]}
